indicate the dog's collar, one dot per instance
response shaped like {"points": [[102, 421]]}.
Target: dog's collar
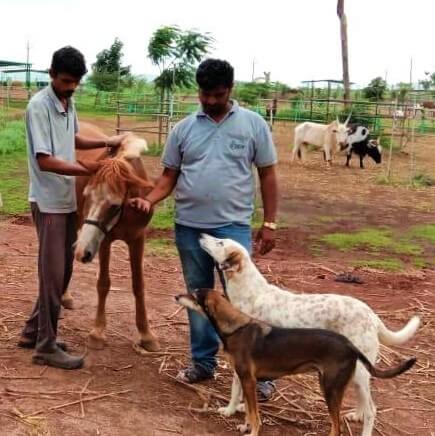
{"points": [[223, 336], [239, 328]]}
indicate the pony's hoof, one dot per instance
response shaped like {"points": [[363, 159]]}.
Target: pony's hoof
{"points": [[96, 342], [68, 303], [243, 428], [354, 416], [150, 344]]}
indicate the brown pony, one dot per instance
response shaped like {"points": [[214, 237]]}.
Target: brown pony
{"points": [[104, 217]]}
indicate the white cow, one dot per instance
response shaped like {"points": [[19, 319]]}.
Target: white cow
{"points": [[398, 113], [332, 137]]}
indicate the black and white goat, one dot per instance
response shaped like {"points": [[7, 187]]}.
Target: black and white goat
{"points": [[358, 142]]}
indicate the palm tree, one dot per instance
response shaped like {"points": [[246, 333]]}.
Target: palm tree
{"points": [[176, 53], [344, 56]]}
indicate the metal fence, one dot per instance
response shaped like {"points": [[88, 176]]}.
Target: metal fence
{"points": [[407, 117]]}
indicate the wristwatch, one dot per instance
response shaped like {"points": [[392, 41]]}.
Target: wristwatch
{"points": [[271, 226]]}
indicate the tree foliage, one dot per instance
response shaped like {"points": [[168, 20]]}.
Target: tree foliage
{"points": [[176, 52], [428, 82], [375, 90], [403, 89], [251, 92], [108, 74]]}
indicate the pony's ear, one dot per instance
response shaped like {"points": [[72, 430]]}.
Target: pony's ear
{"points": [[132, 179]]}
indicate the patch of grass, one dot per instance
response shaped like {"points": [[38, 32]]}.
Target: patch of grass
{"points": [[317, 250], [383, 180], [160, 247], [424, 231], [12, 137], [155, 149], [13, 167], [374, 239], [422, 180], [257, 218], [163, 218], [311, 147], [388, 264], [14, 183], [418, 262]]}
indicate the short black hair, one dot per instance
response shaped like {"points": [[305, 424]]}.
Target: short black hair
{"points": [[69, 60], [212, 73]]}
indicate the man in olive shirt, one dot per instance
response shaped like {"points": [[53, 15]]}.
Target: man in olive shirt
{"points": [[52, 136]]}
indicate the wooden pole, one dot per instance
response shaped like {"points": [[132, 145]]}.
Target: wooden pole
{"points": [[311, 100], [412, 149], [344, 51], [390, 155]]}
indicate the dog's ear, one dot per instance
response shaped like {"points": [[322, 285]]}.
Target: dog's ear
{"points": [[233, 262]]}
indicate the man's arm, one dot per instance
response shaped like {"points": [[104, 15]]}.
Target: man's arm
{"points": [[58, 166], [164, 186], [269, 195], [269, 192], [83, 143]]}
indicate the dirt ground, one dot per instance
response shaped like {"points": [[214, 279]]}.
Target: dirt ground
{"points": [[126, 393]]}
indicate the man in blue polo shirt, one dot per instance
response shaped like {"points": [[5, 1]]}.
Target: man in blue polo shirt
{"points": [[52, 136], [209, 159]]}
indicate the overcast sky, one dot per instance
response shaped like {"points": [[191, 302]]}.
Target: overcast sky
{"points": [[294, 40]]}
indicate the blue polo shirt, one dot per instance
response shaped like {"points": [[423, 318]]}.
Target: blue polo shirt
{"points": [[216, 185], [51, 130]]}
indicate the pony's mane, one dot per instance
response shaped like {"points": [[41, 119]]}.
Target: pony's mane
{"points": [[117, 174]]}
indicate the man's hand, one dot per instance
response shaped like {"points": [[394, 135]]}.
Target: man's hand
{"points": [[265, 240], [140, 204], [113, 142]]}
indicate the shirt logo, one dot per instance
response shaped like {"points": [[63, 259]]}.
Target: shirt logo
{"points": [[235, 146]]}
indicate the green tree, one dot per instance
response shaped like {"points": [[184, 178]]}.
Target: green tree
{"points": [[375, 89], [251, 92], [403, 89], [107, 72], [176, 52], [428, 82]]}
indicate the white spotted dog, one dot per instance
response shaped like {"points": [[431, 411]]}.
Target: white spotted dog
{"points": [[250, 292]]}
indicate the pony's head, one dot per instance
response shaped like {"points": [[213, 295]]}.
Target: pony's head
{"points": [[104, 196]]}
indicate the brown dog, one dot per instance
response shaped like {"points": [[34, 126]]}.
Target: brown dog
{"points": [[260, 351]]}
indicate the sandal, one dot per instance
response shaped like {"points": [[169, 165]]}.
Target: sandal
{"points": [[265, 390], [194, 374]]}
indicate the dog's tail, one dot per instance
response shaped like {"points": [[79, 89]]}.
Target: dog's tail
{"points": [[388, 337], [385, 373]]}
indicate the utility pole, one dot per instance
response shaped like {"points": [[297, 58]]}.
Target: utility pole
{"points": [[28, 71], [344, 54], [410, 74]]}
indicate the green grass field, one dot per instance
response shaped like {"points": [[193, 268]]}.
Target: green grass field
{"points": [[13, 168]]}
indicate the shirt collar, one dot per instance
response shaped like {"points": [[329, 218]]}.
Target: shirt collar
{"points": [[234, 108], [57, 103]]}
